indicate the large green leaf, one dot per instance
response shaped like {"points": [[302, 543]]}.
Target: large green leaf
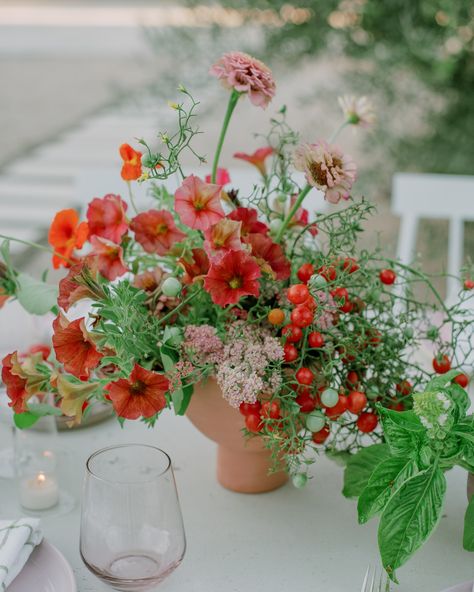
{"points": [[360, 466], [461, 400], [35, 296], [386, 478], [468, 537], [439, 382], [403, 431], [410, 517]]}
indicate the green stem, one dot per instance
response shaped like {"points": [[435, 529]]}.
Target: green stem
{"points": [[180, 306], [234, 97], [293, 210], [132, 199], [337, 132], [36, 246]]}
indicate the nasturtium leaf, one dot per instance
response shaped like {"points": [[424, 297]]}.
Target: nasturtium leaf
{"points": [[359, 467], [35, 296], [410, 516], [25, 420], [468, 536], [42, 409], [384, 481]]}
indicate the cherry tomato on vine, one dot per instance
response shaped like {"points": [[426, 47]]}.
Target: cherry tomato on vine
{"points": [[292, 333], [441, 364], [248, 408], [315, 339], [404, 387], [328, 272], [276, 316], [290, 353], [301, 316], [340, 294], [462, 380], [253, 423], [306, 402], [350, 265], [298, 293], [321, 436], [347, 306], [468, 284], [338, 409], [310, 304], [387, 276], [367, 422], [305, 272], [304, 376], [356, 401], [271, 409], [352, 377]]}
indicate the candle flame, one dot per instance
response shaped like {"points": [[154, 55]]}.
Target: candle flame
{"points": [[41, 478]]}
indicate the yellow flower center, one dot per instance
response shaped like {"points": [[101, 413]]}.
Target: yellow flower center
{"points": [[235, 283]]}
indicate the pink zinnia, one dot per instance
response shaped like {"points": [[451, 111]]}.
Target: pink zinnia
{"points": [[156, 231], [223, 236], [246, 74], [109, 257], [327, 169], [106, 217], [222, 177], [250, 221], [198, 204], [258, 158], [232, 276]]}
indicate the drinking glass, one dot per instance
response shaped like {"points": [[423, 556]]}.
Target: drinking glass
{"points": [[132, 533]]}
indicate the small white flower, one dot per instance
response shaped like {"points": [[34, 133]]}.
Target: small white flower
{"points": [[442, 419], [357, 110]]}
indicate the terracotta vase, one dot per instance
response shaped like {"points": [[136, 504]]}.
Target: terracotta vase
{"points": [[242, 465], [470, 486]]}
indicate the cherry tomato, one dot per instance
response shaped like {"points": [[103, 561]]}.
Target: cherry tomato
{"points": [[248, 408], [347, 306], [328, 272], [292, 333], [441, 364], [468, 284], [301, 316], [306, 402], [352, 377], [397, 405], [290, 352], [321, 436], [253, 423], [404, 387], [367, 422], [387, 276], [276, 316], [350, 265], [271, 409], [310, 304], [305, 272], [374, 337], [340, 294], [462, 380], [298, 293], [315, 339], [356, 401], [338, 409], [304, 376]]}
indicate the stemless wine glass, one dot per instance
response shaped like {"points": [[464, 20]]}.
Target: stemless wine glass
{"points": [[132, 533]]}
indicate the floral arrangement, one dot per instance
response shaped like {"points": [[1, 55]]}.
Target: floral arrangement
{"points": [[310, 337]]}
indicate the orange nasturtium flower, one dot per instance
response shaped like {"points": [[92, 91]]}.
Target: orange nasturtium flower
{"points": [[66, 233], [132, 163]]}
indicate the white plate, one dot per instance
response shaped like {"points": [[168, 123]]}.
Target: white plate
{"points": [[45, 571], [466, 587]]}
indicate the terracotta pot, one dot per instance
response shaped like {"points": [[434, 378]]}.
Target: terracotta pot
{"points": [[242, 465], [470, 486]]}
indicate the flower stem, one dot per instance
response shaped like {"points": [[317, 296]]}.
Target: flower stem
{"points": [[36, 246], [293, 210], [179, 306], [337, 132], [234, 97], [132, 199]]}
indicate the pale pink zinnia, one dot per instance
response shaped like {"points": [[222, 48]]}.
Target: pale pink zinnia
{"points": [[357, 110], [246, 74], [327, 168], [198, 204]]}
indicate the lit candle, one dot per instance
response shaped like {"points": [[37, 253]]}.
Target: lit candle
{"points": [[39, 493]]}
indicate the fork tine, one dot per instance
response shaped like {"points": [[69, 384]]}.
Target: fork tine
{"points": [[364, 583], [372, 585]]}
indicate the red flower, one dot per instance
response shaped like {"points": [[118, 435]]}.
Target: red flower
{"points": [[3, 296], [156, 231], [234, 275], [198, 204], [109, 258], [270, 256], [142, 395], [195, 266], [250, 222], [74, 347], [223, 236], [132, 163], [106, 217], [14, 383], [222, 177], [257, 158], [78, 283], [65, 235]]}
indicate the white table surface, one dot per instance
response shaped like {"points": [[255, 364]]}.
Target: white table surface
{"points": [[289, 540]]}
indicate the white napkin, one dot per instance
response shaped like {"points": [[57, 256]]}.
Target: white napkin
{"points": [[18, 538]]}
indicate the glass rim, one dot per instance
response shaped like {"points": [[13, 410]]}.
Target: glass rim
{"points": [[131, 445]]}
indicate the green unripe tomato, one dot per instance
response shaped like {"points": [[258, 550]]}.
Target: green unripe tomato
{"points": [[432, 333], [372, 393], [408, 332], [275, 225], [282, 198], [300, 480], [171, 287], [317, 281], [329, 397], [315, 421]]}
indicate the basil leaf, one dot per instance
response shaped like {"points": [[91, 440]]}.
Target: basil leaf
{"points": [[36, 297], [461, 399], [386, 478], [360, 466], [410, 517], [403, 431], [439, 382], [468, 536]]}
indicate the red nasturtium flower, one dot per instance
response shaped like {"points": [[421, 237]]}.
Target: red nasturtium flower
{"points": [[66, 233], [78, 283], [257, 158], [250, 221], [141, 395], [223, 236], [109, 258], [107, 218], [74, 347], [195, 265], [132, 163], [222, 177], [198, 204], [232, 276], [156, 231], [14, 383], [269, 256]]}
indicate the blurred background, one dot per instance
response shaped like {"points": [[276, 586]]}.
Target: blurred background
{"points": [[80, 77]]}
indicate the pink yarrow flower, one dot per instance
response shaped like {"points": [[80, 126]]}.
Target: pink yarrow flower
{"points": [[246, 74], [198, 204], [327, 169]]}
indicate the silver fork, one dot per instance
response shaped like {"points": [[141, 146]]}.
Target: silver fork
{"points": [[375, 582]]}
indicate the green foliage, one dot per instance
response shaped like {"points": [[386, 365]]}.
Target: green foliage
{"points": [[35, 412], [468, 537], [360, 466], [36, 296]]}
